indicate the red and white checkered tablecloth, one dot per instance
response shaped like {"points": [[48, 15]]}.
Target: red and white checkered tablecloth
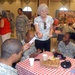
{"points": [[25, 69]]}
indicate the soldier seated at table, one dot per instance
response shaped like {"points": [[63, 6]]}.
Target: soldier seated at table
{"points": [[66, 47], [31, 52], [12, 50]]}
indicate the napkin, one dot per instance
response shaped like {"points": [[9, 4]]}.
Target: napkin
{"points": [[73, 71]]}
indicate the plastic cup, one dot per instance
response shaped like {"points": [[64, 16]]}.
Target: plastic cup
{"points": [[31, 61], [45, 57]]}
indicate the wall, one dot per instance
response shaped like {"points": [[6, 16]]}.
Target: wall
{"points": [[42, 1], [12, 7], [56, 6], [32, 4], [53, 6], [15, 5], [72, 5]]}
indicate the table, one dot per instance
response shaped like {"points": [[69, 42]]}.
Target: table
{"points": [[25, 69]]}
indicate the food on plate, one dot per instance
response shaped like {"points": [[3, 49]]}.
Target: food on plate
{"points": [[51, 62]]}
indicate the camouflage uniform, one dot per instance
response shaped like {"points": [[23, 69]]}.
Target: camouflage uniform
{"points": [[7, 70], [28, 52], [67, 50], [21, 22]]}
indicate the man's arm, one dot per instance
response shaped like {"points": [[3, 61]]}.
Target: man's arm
{"points": [[26, 47], [26, 19], [73, 50], [35, 53], [59, 48]]}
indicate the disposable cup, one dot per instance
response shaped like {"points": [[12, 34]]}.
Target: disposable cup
{"points": [[45, 57], [31, 61]]}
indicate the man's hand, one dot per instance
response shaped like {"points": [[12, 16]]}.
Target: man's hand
{"points": [[36, 53], [26, 46], [39, 51]]}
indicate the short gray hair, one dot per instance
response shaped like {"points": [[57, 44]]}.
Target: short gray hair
{"points": [[43, 7]]}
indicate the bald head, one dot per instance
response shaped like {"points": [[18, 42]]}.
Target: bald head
{"points": [[9, 47], [29, 35]]}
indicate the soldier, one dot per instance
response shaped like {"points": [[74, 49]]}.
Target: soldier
{"points": [[21, 22]]}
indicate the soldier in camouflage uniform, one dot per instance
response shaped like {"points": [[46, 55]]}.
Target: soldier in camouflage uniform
{"points": [[21, 22]]}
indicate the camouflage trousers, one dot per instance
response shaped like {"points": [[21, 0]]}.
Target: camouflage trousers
{"points": [[20, 35]]}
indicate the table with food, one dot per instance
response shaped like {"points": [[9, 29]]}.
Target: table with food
{"points": [[46, 63]]}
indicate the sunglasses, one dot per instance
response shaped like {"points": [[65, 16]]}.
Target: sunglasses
{"points": [[44, 25]]}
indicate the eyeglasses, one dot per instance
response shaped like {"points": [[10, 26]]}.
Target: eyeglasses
{"points": [[44, 25]]}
